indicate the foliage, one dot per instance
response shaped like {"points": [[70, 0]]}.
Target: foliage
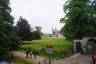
{"points": [[36, 35], [8, 58], [60, 46], [78, 19], [7, 33], [24, 29], [38, 28]]}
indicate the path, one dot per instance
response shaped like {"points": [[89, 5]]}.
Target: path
{"points": [[23, 56], [75, 59]]}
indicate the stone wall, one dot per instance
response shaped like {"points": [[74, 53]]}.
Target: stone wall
{"points": [[83, 42]]}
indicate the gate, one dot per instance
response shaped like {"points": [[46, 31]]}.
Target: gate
{"points": [[91, 46], [78, 47]]}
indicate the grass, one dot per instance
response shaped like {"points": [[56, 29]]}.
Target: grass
{"points": [[9, 58], [19, 60], [61, 47]]}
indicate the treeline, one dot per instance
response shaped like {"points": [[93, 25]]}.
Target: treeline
{"points": [[11, 36], [8, 37], [25, 32]]}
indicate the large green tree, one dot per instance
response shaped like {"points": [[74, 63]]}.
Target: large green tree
{"points": [[7, 32], [78, 19], [93, 13]]}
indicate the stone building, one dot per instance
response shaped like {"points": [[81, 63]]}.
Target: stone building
{"points": [[56, 33], [87, 44]]}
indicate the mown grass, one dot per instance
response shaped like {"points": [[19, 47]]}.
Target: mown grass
{"points": [[61, 47]]}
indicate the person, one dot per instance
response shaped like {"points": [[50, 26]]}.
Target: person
{"points": [[30, 54], [34, 52], [82, 50], [27, 53], [94, 59]]}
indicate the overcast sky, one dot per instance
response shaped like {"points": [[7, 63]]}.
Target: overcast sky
{"points": [[44, 13]]}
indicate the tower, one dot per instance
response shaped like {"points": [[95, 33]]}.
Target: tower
{"points": [[54, 32]]}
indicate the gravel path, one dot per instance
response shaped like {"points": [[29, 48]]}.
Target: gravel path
{"points": [[32, 60], [75, 59]]}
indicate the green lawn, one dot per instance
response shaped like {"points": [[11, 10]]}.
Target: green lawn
{"points": [[61, 47]]}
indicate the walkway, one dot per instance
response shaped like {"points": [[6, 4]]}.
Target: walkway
{"points": [[75, 59], [23, 56]]}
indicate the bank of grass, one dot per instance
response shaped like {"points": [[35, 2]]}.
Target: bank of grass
{"points": [[19, 60], [10, 59], [61, 47]]}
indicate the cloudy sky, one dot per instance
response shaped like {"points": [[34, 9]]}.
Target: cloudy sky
{"points": [[44, 13]]}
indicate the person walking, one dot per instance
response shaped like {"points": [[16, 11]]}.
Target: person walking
{"points": [[31, 54], [27, 53], [34, 53]]}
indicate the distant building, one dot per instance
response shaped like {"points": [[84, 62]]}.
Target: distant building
{"points": [[55, 34], [46, 35]]}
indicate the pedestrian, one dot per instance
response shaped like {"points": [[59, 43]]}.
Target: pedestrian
{"points": [[30, 54], [82, 50], [27, 53], [93, 59], [34, 52]]}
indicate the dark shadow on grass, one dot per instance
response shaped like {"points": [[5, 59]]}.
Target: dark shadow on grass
{"points": [[27, 43]]}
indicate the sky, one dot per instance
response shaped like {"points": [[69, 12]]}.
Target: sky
{"points": [[44, 13]]}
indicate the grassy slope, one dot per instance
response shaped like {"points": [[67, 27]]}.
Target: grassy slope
{"points": [[8, 58], [61, 47]]}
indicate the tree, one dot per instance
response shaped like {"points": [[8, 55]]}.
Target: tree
{"points": [[78, 19], [93, 13], [7, 33], [37, 33], [24, 29], [38, 28]]}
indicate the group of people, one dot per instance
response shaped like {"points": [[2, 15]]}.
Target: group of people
{"points": [[30, 52]]}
